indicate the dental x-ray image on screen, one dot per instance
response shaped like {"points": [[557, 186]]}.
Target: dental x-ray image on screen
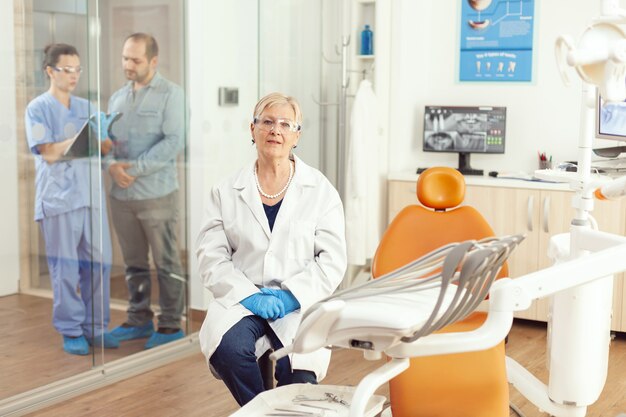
{"points": [[611, 120], [464, 130]]}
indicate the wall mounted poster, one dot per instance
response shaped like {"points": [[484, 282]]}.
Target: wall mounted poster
{"points": [[496, 40]]}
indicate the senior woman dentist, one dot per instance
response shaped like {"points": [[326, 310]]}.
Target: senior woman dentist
{"points": [[272, 244]]}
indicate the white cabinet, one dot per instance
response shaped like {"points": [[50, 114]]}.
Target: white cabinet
{"points": [[538, 213], [512, 211]]}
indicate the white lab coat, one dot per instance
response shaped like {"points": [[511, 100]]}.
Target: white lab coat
{"points": [[363, 179], [305, 254]]}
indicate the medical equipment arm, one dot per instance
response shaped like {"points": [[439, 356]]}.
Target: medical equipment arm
{"points": [[410, 303], [518, 294], [323, 326], [613, 190]]}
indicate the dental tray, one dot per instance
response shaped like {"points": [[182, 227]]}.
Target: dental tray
{"points": [[381, 321], [307, 400]]}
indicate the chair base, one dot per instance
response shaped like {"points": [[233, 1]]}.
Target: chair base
{"points": [[267, 369]]}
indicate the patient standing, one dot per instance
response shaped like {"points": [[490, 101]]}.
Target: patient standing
{"points": [[144, 192]]}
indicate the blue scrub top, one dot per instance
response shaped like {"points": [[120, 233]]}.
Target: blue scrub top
{"points": [[64, 185]]}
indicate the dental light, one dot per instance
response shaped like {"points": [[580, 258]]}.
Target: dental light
{"points": [[599, 58]]}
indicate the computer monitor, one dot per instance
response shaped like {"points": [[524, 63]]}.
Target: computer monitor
{"points": [[464, 130], [610, 120]]}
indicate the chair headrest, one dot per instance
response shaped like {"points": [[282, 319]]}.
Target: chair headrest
{"points": [[441, 188]]}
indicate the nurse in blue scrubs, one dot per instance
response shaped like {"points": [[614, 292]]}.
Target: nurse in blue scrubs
{"points": [[69, 208]]}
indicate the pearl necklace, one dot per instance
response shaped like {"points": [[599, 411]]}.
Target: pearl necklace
{"points": [[278, 194]]}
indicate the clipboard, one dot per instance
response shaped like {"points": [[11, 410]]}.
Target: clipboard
{"points": [[86, 143]]}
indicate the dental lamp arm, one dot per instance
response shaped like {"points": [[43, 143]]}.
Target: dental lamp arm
{"points": [[564, 44], [508, 295]]}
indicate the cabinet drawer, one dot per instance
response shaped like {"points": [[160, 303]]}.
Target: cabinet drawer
{"points": [[401, 194]]}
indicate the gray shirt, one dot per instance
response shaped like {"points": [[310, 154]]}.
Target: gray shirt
{"points": [[149, 135]]}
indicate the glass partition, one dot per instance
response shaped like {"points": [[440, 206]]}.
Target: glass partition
{"points": [[59, 297], [142, 215], [103, 228], [143, 79]]}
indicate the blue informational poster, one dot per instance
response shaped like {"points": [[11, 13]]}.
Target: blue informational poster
{"points": [[496, 40]]}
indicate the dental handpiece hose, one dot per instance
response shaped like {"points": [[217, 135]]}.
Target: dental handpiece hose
{"points": [[613, 190]]}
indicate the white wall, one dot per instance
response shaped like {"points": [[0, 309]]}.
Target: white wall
{"points": [[9, 244], [290, 62], [542, 115], [222, 51]]}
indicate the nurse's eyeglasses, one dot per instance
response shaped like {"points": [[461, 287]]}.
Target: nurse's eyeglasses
{"points": [[280, 125], [68, 70]]}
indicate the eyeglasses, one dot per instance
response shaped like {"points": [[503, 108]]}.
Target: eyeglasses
{"points": [[68, 70], [281, 125]]}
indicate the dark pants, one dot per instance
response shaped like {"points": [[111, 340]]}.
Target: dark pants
{"points": [[143, 226], [235, 361]]}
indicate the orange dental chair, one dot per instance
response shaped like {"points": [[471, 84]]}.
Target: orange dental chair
{"points": [[472, 384]]}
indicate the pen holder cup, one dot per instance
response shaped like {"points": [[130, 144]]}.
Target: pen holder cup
{"points": [[545, 164]]}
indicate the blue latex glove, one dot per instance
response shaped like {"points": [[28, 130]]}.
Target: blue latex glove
{"points": [[265, 306], [105, 123], [289, 300]]}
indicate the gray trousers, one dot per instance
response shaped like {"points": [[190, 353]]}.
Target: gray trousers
{"points": [[151, 225]]}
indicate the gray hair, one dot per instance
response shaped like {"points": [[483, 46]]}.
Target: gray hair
{"points": [[278, 99]]}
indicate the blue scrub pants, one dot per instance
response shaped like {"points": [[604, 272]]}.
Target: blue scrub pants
{"points": [[80, 263], [236, 363]]}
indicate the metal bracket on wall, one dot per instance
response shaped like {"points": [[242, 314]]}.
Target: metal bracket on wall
{"points": [[228, 96]]}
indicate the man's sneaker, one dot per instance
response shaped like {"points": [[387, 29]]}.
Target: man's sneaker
{"points": [[107, 339], [126, 332], [162, 338], [75, 345]]}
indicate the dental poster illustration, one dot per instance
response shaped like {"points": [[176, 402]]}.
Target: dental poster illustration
{"points": [[496, 40]]}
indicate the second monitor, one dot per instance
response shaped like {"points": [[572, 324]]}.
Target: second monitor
{"points": [[464, 130]]}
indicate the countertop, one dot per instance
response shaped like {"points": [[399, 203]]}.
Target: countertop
{"points": [[488, 181]]}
